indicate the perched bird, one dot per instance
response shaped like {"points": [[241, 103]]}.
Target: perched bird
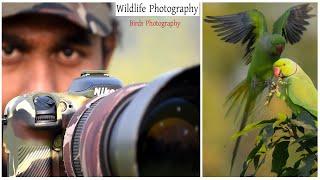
{"points": [[262, 50], [297, 88]]}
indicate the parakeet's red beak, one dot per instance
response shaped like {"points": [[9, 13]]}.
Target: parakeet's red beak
{"points": [[279, 48], [276, 72]]}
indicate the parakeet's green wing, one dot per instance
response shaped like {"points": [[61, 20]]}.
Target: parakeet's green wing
{"points": [[302, 92], [247, 26], [292, 23]]}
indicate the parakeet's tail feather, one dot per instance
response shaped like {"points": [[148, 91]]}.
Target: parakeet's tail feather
{"points": [[243, 85], [239, 110], [250, 102], [234, 104], [237, 96]]}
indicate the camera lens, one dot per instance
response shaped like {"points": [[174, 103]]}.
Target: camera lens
{"points": [[140, 144], [87, 135], [139, 130], [169, 143]]}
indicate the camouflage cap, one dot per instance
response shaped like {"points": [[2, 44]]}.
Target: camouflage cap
{"points": [[95, 17]]}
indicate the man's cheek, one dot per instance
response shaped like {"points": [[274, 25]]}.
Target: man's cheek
{"points": [[9, 91], [13, 84], [65, 77]]}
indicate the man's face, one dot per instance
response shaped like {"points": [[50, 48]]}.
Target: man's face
{"points": [[44, 53]]}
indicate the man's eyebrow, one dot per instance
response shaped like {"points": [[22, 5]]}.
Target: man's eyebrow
{"points": [[15, 40], [80, 38]]}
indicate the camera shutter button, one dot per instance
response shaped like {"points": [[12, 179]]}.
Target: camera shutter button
{"points": [[43, 102]]}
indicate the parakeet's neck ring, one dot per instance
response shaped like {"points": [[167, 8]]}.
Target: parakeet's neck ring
{"points": [[294, 71]]}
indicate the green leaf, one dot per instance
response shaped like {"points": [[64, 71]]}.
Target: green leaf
{"points": [[277, 135], [307, 141], [281, 118], [252, 126], [301, 129], [297, 164], [279, 156], [267, 133], [304, 125], [313, 170], [284, 137], [250, 157], [289, 172], [256, 161], [308, 137], [307, 164], [307, 118], [259, 165]]}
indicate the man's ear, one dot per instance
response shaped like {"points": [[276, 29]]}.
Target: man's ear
{"points": [[109, 44]]}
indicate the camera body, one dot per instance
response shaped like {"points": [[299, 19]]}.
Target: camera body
{"points": [[36, 124], [99, 128]]}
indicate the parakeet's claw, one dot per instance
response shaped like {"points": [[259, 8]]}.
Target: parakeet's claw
{"points": [[282, 82], [254, 82], [269, 96], [273, 87], [269, 83]]}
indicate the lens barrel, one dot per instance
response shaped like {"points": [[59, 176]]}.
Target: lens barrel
{"points": [[84, 149], [139, 130]]}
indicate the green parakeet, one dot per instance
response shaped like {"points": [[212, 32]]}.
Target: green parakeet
{"points": [[262, 50], [298, 90]]}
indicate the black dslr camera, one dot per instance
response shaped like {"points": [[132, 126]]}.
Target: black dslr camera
{"points": [[100, 128]]}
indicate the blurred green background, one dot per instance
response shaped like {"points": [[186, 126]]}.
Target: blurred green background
{"points": [[145, 52], [223, 69]]}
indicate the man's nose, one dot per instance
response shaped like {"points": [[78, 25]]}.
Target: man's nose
{"points": [[41, 74]]}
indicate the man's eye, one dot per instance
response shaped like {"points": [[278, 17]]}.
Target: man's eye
{"points": [[7, 50], [10, 52], [69, 55], [68, 52]]}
